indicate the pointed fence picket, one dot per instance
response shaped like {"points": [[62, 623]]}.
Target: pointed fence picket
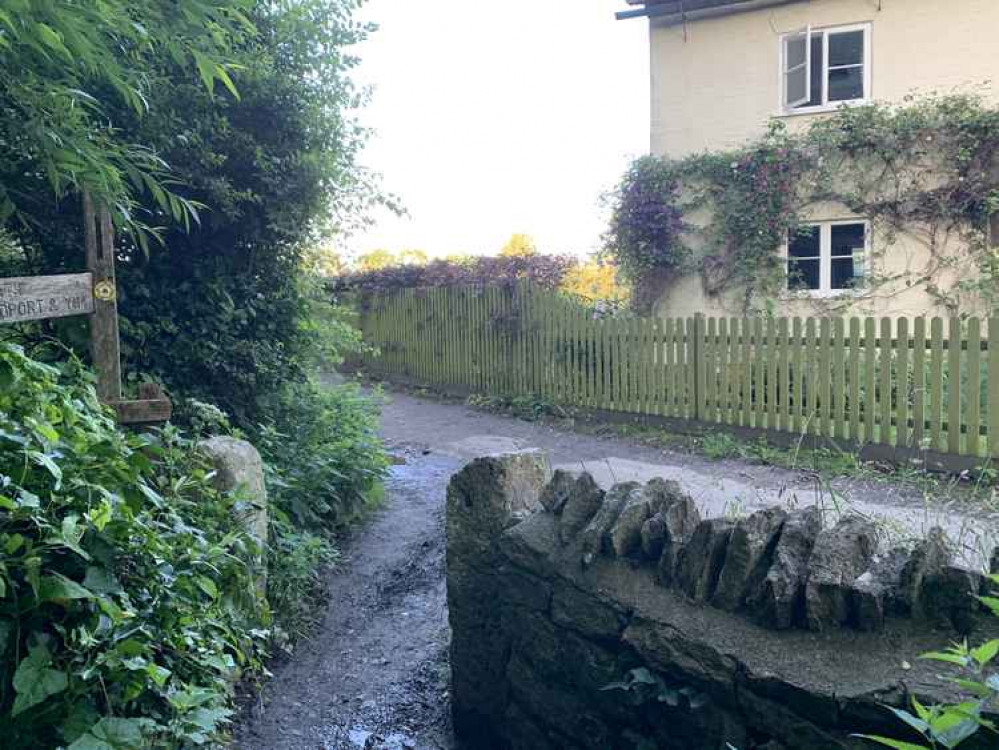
{"points": [[917, 384]]}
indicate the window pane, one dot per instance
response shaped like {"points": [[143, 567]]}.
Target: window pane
{"points": [[846, 48], [847, 239], [802, 274], [847, 273], [815, 73], [804, 243], [796, 82], [794, 51], [846, 84]]}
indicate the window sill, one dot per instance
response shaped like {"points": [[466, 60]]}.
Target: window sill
{"points": [[822, 294], [822, 109]]}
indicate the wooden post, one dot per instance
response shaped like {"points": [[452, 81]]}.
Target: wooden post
{"points": [[104, 321]]}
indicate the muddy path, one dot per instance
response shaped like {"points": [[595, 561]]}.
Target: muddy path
{"points": [[375, 674]]}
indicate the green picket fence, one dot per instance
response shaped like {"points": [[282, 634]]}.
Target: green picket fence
{"points": [[911, 383]]}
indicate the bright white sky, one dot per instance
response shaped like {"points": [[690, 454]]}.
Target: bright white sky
{"points": [[501, 116]]}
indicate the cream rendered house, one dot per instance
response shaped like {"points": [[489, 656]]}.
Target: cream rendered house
{"points": [[722, 69]]}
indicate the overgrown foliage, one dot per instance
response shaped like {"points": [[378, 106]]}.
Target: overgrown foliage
{"points": [[218, 311], [126, 606], [645, 236], [546, 271], [924, 169], [65, 67]]}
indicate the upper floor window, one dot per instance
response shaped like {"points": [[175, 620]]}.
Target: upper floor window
{"points": [[827, 258], [820, 68]]}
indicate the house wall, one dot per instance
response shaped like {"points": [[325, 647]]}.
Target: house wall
{"points": [[716, 84]]}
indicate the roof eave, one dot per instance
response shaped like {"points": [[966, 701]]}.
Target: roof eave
{"points": [[670, 15]]}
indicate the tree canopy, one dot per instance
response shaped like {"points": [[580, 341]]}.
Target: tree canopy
{"points": [[216, 308], [66, 67]]}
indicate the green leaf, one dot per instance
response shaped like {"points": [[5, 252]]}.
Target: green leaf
{"points": [[113, 734], [60, 589], [206, 69], [986, 652], [208, 719], [100, 581], [51, 39], [208, 586], [101, 515], [916, 723], [34, 681], [223, 76], [43, 459], [961, 661], [13, 544], [158, 674]]}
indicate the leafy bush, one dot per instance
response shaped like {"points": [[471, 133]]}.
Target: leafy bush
{"points": [[547, 271], [216, 311], [324, 455], [126, 607]]}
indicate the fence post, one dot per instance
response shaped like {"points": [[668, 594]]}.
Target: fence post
{"points": [[700, 371]]}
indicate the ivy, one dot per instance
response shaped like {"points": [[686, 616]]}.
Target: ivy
{"points": [[925, 169], [646, 229]]}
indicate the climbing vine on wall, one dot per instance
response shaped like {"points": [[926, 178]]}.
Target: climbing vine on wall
{"points": [[928, 169]]}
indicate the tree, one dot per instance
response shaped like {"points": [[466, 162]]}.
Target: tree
{"points": [[218, 311], [413, 257], [519, 245], [65, 67], [595, 280], [375, 260]]}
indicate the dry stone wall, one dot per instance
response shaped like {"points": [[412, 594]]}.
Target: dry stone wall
{"points": [[585, 619]]}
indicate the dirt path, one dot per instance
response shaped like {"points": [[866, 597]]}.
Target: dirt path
{"points": [[375, 675]]}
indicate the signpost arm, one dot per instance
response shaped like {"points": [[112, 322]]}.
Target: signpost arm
{"points": [[104, 322]]}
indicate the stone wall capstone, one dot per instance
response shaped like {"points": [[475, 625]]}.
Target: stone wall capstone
{"points": [[592, 620]]}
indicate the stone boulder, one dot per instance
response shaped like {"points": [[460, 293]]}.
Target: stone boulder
{"points": [[947, 598], [596, 536], [558, 491], [239, 468], [840, 556], [779, 599], [653, 537], [626, 534], [928, 558], [749, 555], [701, 560], [663, 492], [878, 591], [582, 503], [679, 521]]}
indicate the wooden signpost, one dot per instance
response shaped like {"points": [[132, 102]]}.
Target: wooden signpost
{"points": [[93, 293]]}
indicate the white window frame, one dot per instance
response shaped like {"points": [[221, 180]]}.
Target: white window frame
{"points": [[826, 105], [825, 259]]}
